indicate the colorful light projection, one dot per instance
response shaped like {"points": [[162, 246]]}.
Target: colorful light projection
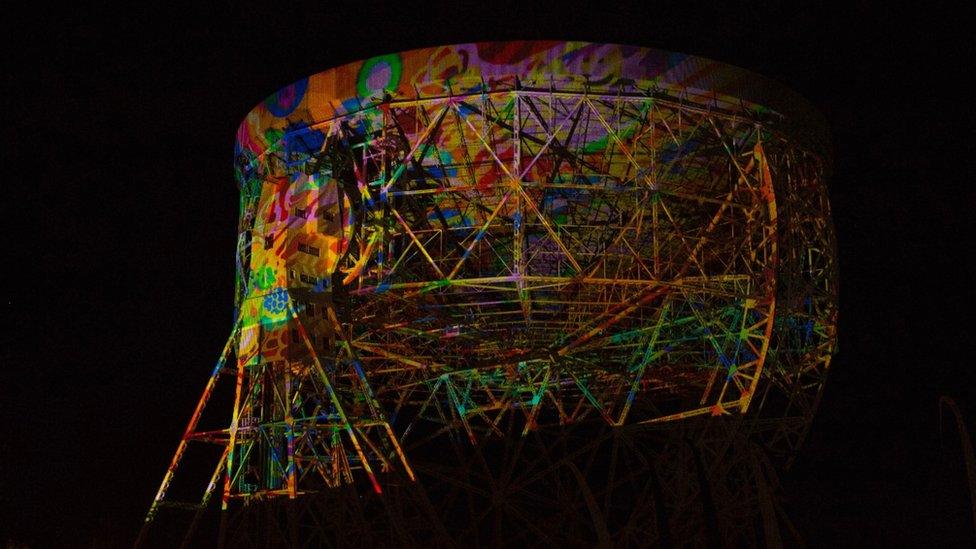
{"points": [[557, 232]]}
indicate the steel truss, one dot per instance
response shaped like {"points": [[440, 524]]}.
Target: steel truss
{"points": [[554, 318]]}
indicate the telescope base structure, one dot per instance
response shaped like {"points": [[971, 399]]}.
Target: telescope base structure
{"points": [[700, 483]]}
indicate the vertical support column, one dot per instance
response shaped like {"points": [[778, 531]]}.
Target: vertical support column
{"points": [[290, 435], [229, 453], [518, 235], [232, 441], [768, 194], [383, 213]]}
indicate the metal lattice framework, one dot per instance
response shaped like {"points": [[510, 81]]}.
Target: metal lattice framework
{"points": [[442, 274]]}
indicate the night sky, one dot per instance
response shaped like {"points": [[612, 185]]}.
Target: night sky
{"points": [[119, 212]]}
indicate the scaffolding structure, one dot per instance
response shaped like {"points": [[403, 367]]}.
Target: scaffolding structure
{"points": [[522, 292]]}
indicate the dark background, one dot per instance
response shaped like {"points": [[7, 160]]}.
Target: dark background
{"points": [[119, 214]]}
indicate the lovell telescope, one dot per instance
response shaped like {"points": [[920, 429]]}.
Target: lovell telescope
{"points": [[516, 292]]}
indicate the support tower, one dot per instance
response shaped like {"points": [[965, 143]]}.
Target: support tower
{"points": [[517, 292]]}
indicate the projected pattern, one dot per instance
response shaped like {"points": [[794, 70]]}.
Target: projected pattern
{"points": [[440, 242]]}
